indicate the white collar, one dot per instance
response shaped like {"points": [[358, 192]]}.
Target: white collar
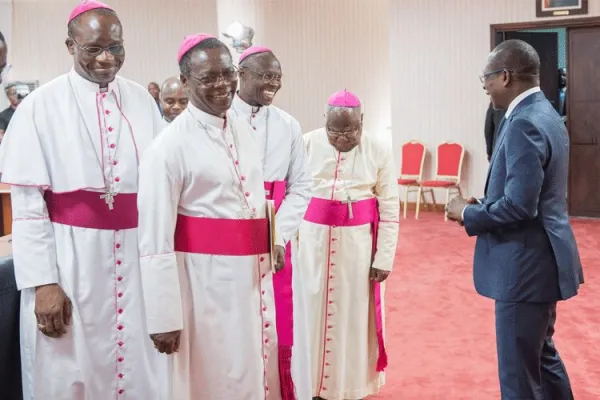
{"points": [[205, 118], [84, 85], [244, 108], [519, 99]]}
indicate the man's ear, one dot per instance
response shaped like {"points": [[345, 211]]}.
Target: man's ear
{"points": [[70, 45], [184, 81]]}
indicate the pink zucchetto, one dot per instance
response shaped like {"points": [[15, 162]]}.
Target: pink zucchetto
{"points": [[85, 6], [254, 50], [344, 99], [190, 41]]}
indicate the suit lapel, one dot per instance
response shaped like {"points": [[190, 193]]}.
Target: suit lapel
{"points": [[497, 145]]}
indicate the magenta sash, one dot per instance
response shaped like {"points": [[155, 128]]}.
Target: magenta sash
{"points": [[335, 213], [223, 237], [284, 303], [85, 209]]}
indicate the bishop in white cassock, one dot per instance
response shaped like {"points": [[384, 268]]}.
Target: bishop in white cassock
{"points": [[347, 247], [205, 241], [287, 182], [71, 157]]}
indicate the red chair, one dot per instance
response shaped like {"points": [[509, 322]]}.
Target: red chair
{"points": [[411, 171], [448, 166]]}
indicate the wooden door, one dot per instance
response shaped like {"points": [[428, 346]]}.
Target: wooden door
{"points": [[546, 45], [583, 121]]}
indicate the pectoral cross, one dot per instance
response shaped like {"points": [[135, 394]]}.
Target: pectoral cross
{"points": [[349, 202], [109, 198]]}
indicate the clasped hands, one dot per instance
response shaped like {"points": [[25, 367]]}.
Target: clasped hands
{"points": [[455, 208]]}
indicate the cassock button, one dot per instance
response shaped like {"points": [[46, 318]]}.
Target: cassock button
{"points": [[231, 146], [262, 259], [254, 127], [324, 388], [264, 308], [120, 376], [115, 162], [120, 311], [110, 129], [247, 194], [118, 245], [267, 325], [112, 145], [120, 344], [262, 292], [117, 179], [120, 327], [330, 301], [266, 341], [103, 95], [121, 391], [120, 359], [237, 162], [118, 262], [107, 112], [243, 178], [120, 295], [263, 275], [119, 278]]}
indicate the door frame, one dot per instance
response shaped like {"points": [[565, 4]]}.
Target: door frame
{"points": [[568, 23]]}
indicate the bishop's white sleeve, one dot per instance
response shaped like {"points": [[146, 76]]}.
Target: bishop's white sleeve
{"points": [[159, 190], [23, 166], [34, 249], [292, 209], [386, 191]]}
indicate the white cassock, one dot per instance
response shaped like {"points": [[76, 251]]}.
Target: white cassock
{"points": [[66, 143], [279, 139], [201, 186], [337, 259]]}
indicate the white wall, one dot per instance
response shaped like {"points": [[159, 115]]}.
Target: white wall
{"points": [[438, 51]]}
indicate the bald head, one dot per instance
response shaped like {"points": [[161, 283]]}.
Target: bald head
{"points": [[517, 56], [260, 78], [173, 98], [344, 127]]}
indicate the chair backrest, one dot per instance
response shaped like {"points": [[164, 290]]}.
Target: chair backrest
{"points": [[449, 159], [413, 160]]}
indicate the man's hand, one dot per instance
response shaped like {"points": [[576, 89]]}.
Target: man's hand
{"points": [[378, 275], [455, 208], [167, 343], [279, 258], [53, 310]]}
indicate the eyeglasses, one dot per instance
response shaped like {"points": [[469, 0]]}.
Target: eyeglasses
{"points": [[483, 77], [267, 77], [339, 133], [5, 70], [95, 51], [227, 75]]}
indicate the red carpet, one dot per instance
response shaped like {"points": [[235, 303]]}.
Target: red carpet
{"points": [[440, 333]]}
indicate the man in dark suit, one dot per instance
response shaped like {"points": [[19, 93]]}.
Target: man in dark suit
{"points": [[526, 257], [493, 118]]}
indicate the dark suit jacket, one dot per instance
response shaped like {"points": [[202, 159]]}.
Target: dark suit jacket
{"points": [[526, 250], [492, 123]]}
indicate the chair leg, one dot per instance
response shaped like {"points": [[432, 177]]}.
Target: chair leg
{"points": [[446, 204], [433, 199], [406, 188], [419, 195], [459, 191]]}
